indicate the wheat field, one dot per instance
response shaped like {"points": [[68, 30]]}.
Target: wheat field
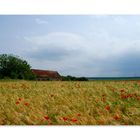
{"points": [[69, 103]]}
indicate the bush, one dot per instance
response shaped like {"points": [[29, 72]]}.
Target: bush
{"points": [[82, 79], [71, 78]]}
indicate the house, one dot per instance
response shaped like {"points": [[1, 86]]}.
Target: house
{"points": [[43, 75]]}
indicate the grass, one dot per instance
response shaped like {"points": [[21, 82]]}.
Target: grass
{"points": [[70, 103]]}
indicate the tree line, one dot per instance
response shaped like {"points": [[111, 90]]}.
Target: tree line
{"points": [[13, 67]]}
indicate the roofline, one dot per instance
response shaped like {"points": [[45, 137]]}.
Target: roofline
{"points": [[45, 70]]}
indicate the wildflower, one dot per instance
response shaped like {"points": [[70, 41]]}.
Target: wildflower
{"points": [[26, 104], [74, 120], [19, 99], [122, 90], [46, 117], [123, 96], [129, 95], [65, 119], [107, 108], [78, 114], [17, 102], [116, 117]]}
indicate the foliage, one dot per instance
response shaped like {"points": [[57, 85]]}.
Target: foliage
{"points": [[72, 78], [15, 68]]}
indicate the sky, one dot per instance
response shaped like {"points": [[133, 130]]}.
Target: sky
{"points": [[89, 45]]}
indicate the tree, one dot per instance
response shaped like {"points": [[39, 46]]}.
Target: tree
{"points": [[82, 79], [15, 68], [72, 78]]}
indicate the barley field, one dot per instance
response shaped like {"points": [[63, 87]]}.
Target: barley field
{"points": [[70, 103]]}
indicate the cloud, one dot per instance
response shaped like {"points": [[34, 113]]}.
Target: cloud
{"points": [[90, 46], [40, 21], [108, 47], [67, 50], [56, 43], [56, 37], [99, 54]]}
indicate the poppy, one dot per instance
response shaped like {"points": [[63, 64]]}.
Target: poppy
{"points": [[78, 114], [65, 119], [122, 90], [46, 117], [26, 104], [123, 96], [17, 102], [117, 117], [19, 99], [74, 120], [107, 108]]}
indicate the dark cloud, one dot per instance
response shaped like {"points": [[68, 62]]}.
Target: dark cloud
{"points": [[129, 64], [126, 64]]}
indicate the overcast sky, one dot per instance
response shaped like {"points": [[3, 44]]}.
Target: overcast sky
{"points": [[75, 45]]}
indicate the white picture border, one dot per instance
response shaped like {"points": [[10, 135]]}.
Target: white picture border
{"points": [[69, 7]]}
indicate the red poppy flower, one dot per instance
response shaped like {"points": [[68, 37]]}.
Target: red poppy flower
{"points": [[74, 120], [65, 119], [122, 90], [26, 104], [46, 117], [19, 99], [129, 95], [117, 117], [107, 108], [78, 114], [17, 102], [123, 96]]}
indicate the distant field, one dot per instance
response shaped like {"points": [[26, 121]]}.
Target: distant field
{"points": [[114, 78], [70, 103]]}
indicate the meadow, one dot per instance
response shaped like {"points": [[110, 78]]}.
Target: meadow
{"points": [[69, 103]]}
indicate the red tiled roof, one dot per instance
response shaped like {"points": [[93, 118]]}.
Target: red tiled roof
{"points": [[43, 73]]}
